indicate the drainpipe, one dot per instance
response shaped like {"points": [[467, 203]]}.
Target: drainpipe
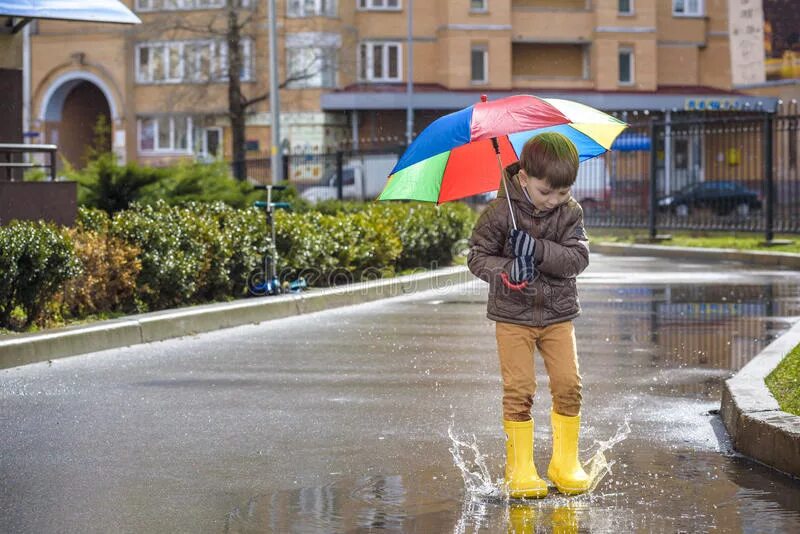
{"points": [[667, 152], [26, 84], [410, 75]]}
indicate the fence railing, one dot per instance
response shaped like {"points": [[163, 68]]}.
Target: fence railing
{"points": [[13, 165], [709, 171]]}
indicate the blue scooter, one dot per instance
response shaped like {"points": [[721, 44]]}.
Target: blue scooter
{"points": [[265, 281]]}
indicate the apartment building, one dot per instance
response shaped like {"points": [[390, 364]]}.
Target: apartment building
{"points": [[344, 67]]}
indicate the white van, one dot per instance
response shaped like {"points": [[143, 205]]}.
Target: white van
{"points": [[363, 178]]}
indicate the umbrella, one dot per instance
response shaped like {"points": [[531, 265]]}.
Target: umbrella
{"points": [[464, 153], [457, 155]]}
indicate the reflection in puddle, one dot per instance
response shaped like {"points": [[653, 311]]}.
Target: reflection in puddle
{"points": [[482, 494], [656, 352]]}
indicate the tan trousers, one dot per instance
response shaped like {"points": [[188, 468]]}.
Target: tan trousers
{"points": [[556, 344]]}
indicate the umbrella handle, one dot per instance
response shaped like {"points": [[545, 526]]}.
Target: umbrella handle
{"points": [[511, 285]]}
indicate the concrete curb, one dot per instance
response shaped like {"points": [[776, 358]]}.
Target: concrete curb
{"points": [[775, 259], [59, 343], [755, 422]]}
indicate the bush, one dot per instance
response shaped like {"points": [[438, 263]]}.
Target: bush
{"points": [[431, 235], [36, 258], [331, 249], [241, 242], [109, 269], [190, 181], [173, 245], [106, 185], [155, 256]]}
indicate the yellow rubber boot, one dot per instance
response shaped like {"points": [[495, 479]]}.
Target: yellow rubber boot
{"points": [[565, 469], [521, 475], [521, 518]]}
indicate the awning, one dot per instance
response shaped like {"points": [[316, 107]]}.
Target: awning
{"points": [[366, 98], [85, 10]]}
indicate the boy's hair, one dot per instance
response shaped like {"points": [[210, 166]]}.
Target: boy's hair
{"points": [[552, 157]]}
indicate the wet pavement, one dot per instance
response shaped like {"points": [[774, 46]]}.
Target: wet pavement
{"points": [[338, 421]]}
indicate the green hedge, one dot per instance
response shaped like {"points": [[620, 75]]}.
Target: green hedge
{"points": [[35, 261], [202, 252]]}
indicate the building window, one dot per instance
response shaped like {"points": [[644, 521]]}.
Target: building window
{"points": [[208, 142], [165, 134], [390, 5], [311, 8], [480, 64], [626, 66], [311, 67], [379, 62], [478, 6], [625, 7], [195, 61], [688, 8], [177, 5], [311, 59]]}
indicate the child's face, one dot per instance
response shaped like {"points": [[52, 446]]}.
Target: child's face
{"points": [[544, 197]]}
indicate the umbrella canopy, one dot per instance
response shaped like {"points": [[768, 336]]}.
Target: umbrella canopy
{"points": [[455, 157], [88, 10]]}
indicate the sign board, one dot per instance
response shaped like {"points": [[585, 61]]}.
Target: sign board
{"points": [[746, 32]]}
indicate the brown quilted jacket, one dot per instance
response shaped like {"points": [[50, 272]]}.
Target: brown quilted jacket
{"points": [[561, 254]]}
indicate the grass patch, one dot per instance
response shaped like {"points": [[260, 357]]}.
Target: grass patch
{"points": [[735, 240], [784, 382]]}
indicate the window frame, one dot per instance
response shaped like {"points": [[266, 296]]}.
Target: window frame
{"points": [[189, 57], [631, 9], [327, 56], [701, 9], [484, 49], [369, 5], [171, 149], [204, 141], [484, 9], [370, 55], [184, 5], [630, 51], [317, 12]]}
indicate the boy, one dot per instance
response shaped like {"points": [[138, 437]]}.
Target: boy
{"points": [[547, 251]]}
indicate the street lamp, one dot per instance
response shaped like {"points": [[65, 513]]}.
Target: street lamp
{"points": [[410, 75], [276, 166]]}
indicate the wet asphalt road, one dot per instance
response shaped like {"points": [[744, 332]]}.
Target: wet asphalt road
{"points": [[337, 421]]}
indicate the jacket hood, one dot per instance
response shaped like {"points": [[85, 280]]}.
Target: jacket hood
{"points": [[518, 199]]}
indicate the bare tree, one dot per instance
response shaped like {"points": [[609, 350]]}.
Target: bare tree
{"points": [[240, 21]]}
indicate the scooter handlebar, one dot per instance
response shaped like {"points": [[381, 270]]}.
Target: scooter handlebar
{"points": [[269, 186]]}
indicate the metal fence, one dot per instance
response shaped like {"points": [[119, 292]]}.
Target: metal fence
{"points": [[342, 175], [698, 172]]}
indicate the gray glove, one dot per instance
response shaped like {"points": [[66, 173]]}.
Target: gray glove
{"points": [[522, 269], [522, 243]]}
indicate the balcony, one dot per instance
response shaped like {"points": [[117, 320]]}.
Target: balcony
{"points": [[552, 22], [550, 65]]}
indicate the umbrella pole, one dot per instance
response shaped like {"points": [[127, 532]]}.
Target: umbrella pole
{"points": [[505, 184], [513, 220]]}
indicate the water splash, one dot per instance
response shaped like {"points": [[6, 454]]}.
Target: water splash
{"points": [[477, 478], [478, 481], [598, 466], [484, 497]]}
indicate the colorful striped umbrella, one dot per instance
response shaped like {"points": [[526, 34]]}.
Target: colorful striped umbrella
{"points": [[457, 155]]}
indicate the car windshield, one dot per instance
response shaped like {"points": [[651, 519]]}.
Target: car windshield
{"points": [[348, 178]]}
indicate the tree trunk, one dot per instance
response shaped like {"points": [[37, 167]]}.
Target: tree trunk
{"points": [[236, 108]]}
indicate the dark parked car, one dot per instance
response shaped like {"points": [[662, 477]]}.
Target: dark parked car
{"points": [[722, 197]]}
